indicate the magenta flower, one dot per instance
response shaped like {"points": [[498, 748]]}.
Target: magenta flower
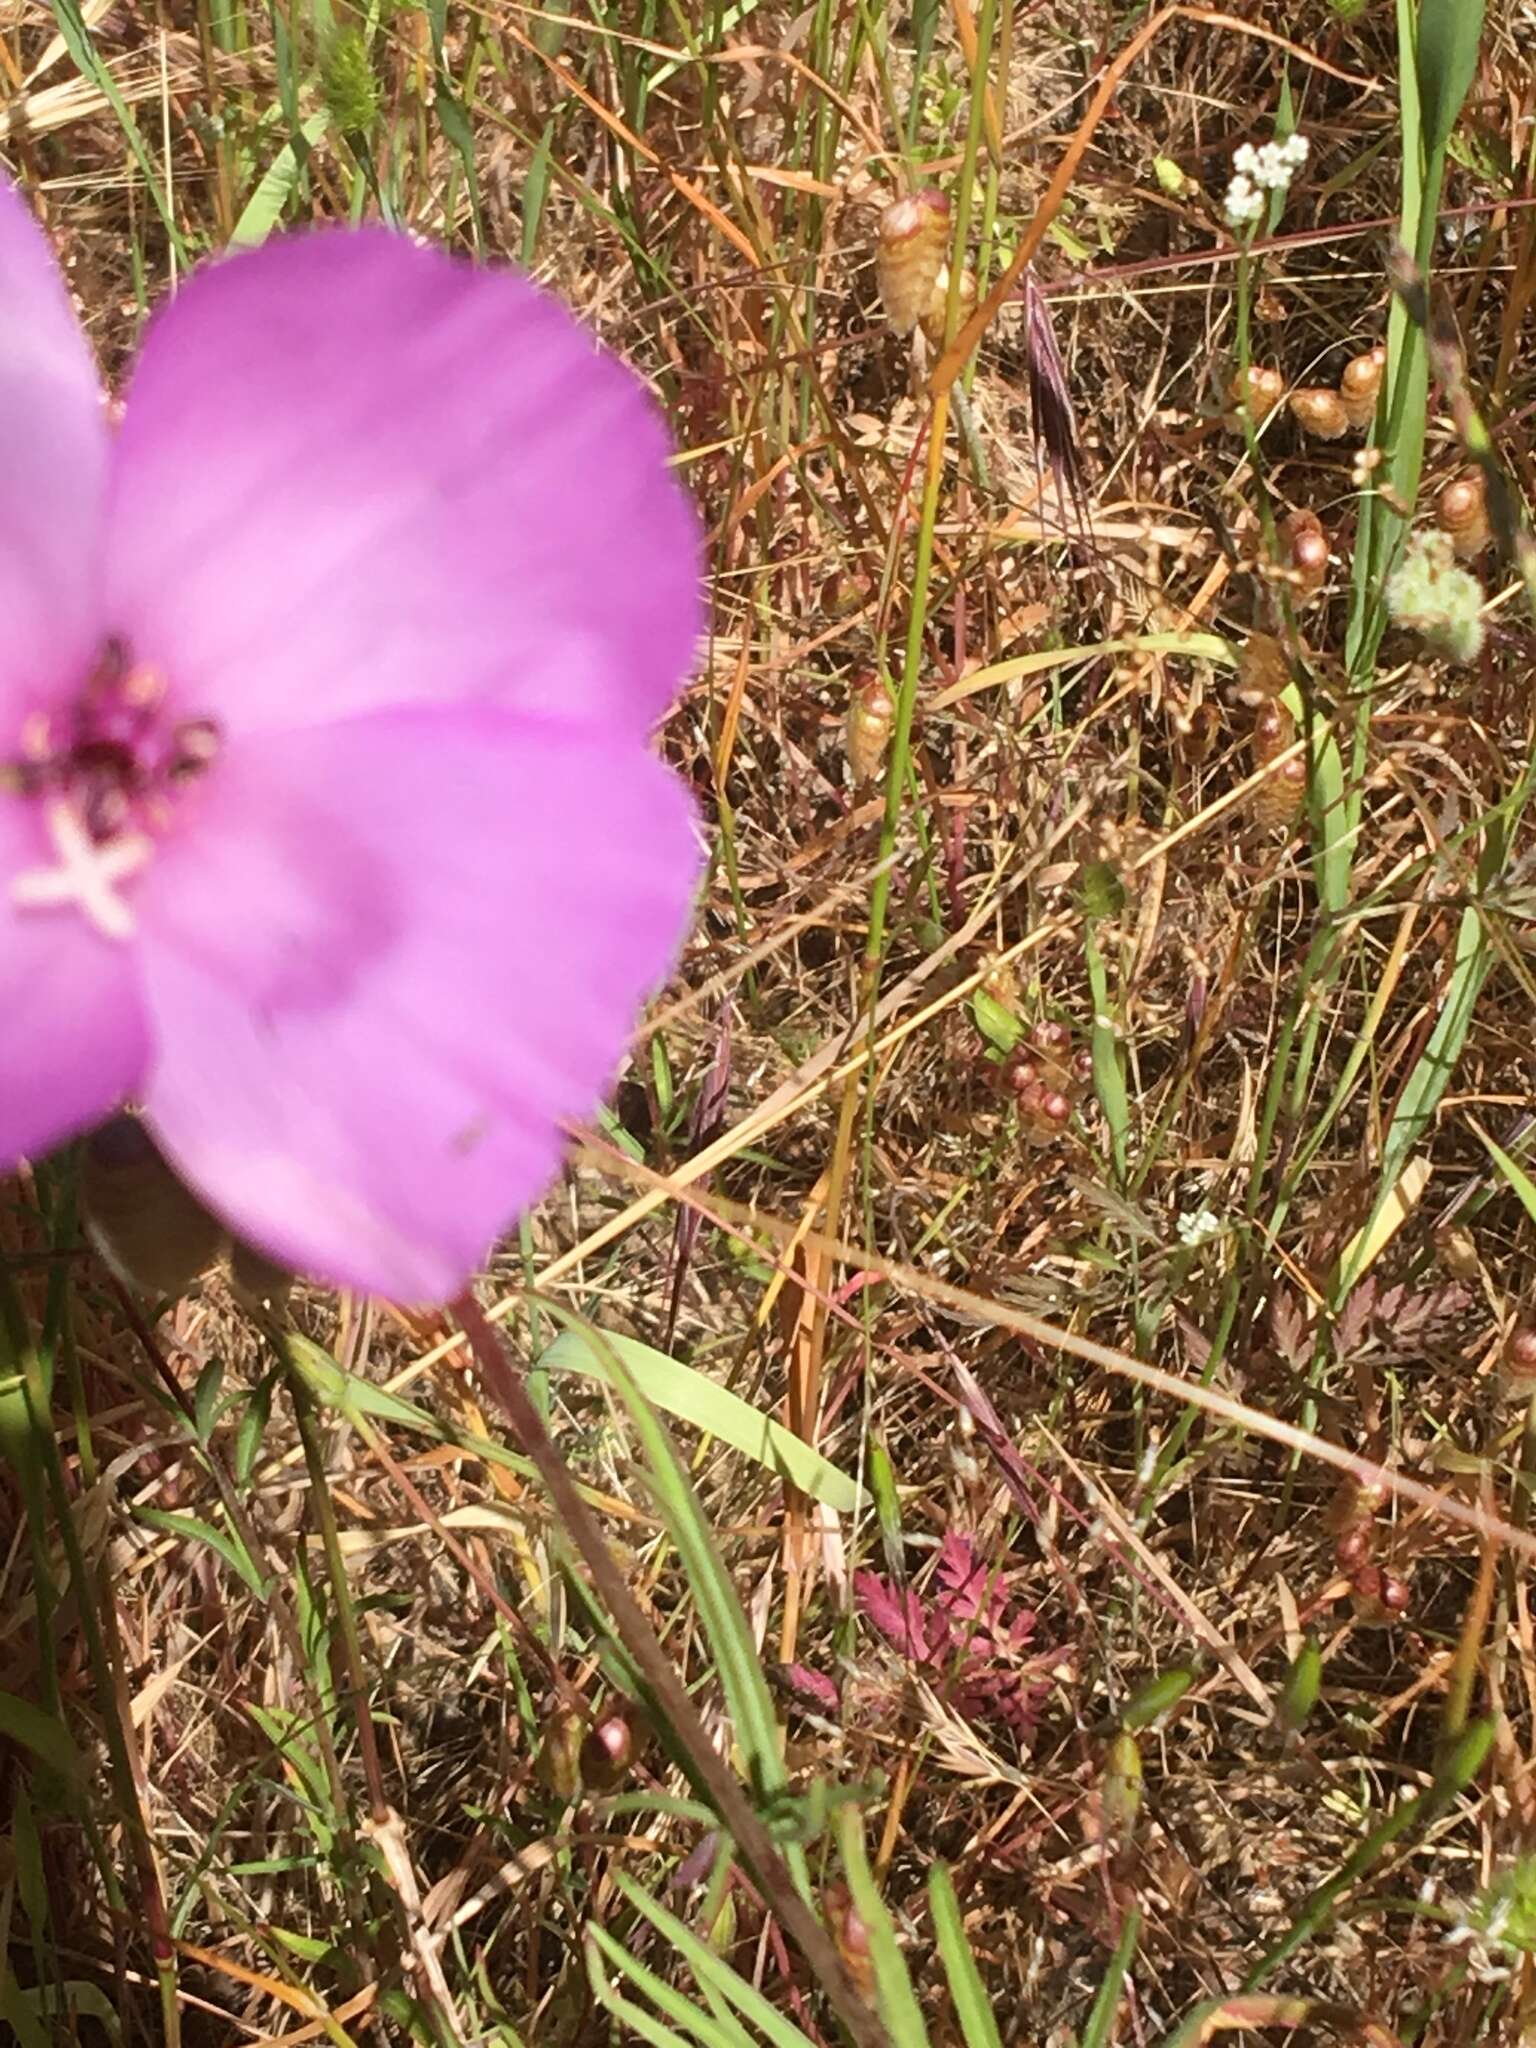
{"points": [[329, 832]]}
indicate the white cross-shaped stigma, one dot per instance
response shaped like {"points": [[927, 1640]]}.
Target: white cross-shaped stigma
{"points": [[87, 876]]}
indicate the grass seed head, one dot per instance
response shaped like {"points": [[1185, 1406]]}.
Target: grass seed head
{"points": [[1262, 669], [1318, 410], [1306, 553], [1461, 510], [871, 714], [909, 254], [1360, 386], [938, 300], [1257, 392]]}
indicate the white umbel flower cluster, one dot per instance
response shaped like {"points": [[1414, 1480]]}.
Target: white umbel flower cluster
{"points": [[1258, 171]]}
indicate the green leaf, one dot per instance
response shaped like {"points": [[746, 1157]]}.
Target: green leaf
{"points": [[1099, 2030], [712, 1971], [724, 2032], [893, 1985], [718, 1607], [1513, 1173], [972, 2008], [264, 209], [535, 192], [995, 1021], [702, 1402], [42, 1733], [234, 1554], [1449, 34]]}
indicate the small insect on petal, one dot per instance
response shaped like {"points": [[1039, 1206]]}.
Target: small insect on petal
{"points": [[913, 239], [1360, 386], [871, 714], [1461, 510], [1317, 410]]}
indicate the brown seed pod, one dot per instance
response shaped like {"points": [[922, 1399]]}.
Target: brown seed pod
{"points": [[1276, 802], [1359, 386], [610, 1749], [914, 234], [851, 1936], [1461, 510], [1262, 670], [871, 714], [1306, 553], [1317, 410], [1018, 1072], [1044, 1113], [1396, 1593], [1199, 731], [558, 1765], [1258, 394], [999, 980], [933, 313], [150, 1229], [1275, 799], [1520, 1355], [1051, 1038], [1354, 1547]]}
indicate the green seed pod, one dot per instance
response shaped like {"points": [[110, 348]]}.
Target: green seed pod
{"points": [[150, 1228], [1120, 1789], [558, 1768], [1156, 1697], [1298, 1696]]}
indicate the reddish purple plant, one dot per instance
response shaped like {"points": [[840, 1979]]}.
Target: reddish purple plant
{"points": [[963, 1637], [329, 832]]}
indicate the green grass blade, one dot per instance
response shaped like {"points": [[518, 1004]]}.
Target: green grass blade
{"points": [[1449, 34], [1513, 1173], [264, 209], [711, 1970], [726, 2032], [194, 1530], [43, 1734], [972, 2008], [720, 1611], [1100, 2028], [893, 1984], [693, 1398]]}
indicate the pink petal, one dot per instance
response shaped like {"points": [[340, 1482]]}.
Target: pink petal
{"points": [[370, 1093], [356, 473], [53, 450], [72, 1044]]}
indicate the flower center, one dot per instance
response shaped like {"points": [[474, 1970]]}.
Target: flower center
{"points": [[104, 774]]}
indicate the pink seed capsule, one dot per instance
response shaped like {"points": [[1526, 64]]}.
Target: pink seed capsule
{"points": [[871, 714], [608, 1751], [913, 237]]}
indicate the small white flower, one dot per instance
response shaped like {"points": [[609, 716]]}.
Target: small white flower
{"points": [[1198, 1226], [1257, 171], [1244, 203]]}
